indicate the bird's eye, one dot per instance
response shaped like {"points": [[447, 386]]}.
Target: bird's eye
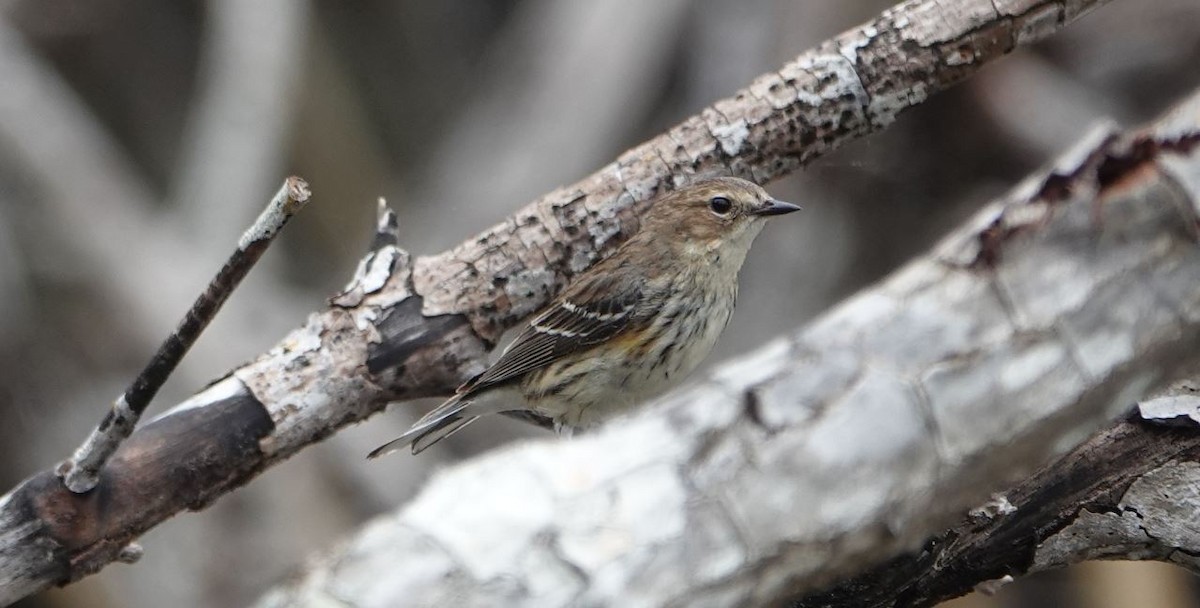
{"points": [[720, 205]]}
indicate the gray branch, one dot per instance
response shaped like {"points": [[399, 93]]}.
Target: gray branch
{"points": [[408, 328], [852, 440]]}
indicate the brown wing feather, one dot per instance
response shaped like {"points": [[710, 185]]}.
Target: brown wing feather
{"points": [[589, 312]]}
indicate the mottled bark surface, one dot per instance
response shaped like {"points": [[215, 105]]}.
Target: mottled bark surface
{"points": [[405, 329], [860, 436]]}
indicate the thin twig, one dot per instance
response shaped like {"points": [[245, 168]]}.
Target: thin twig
{"points": [[81, 472]]}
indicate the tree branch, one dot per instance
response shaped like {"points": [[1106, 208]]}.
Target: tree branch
{"points": [[406, 328]]}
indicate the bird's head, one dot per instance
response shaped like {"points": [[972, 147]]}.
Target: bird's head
{"points": [[713, 217]]}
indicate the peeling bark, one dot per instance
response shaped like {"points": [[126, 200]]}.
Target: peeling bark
{"points": [[407, 329]]}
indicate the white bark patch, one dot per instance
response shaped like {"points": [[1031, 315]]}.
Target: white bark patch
{"points": [[997, 506], [845, 82], [378, 270], [732, 136], [1171, 407], [228, 388]]}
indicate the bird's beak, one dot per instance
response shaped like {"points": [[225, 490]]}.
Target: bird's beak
{"points": [[774, 207]]}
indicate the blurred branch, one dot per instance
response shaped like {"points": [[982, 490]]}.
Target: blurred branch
{"points": [[84, 174], [856, 438], [241, 116], [405, 330], [606, 66], [48, 129], [1065, 106]]}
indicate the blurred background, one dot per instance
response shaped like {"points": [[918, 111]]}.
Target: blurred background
{"points": [[138, 138]]}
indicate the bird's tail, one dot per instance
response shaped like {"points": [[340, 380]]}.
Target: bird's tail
{"points": [[444, 421]]}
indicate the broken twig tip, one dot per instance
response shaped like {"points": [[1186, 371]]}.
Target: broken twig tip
{"points": [[298, 190], [290, 199], [81, 473]]}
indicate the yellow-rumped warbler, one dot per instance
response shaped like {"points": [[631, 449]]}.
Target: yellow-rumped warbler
{"points": [[629, 327]]}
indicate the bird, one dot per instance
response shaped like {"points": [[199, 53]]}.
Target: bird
{"points": [[625, 329]]}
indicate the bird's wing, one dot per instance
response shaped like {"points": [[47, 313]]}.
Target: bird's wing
{"points": [[593, 309]]}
